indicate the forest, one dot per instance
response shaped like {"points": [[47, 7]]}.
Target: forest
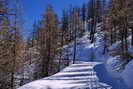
{"points": [[56, 42]]}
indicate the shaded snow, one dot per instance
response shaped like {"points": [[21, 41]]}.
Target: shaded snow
{"points": [[104, 76], [85, 51], [117, 68], [128, 74], [112, 64]]}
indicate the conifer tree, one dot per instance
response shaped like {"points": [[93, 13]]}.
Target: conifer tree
{"points": [[47, 35]]}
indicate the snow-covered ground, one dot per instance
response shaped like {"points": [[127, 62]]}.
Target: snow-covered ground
{"points": [[76, 76], [127, 74], [85, 51]]}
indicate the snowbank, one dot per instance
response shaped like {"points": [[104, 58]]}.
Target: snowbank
{"points": [[113, 66], [116, 70], [127, 74]]}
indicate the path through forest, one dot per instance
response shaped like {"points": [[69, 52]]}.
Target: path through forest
{"points": [[76, 76]]}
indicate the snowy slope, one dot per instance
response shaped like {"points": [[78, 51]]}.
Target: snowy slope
{"points": [[108, 72], [127, 74], [77, 76], [117, 68], [85, 51], [112, 67]]}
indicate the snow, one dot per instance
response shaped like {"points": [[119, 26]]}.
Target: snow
{"points": [[85, 51], [119, 69], [130, 50], [111, 66], [104, 76], [122, 75], [127, 74], [80, 75]]}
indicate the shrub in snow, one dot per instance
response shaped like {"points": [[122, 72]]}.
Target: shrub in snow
{"points": [[114, 66], [127, 74]]}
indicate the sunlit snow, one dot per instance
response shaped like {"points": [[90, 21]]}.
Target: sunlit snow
{"points": [[80, 75]]}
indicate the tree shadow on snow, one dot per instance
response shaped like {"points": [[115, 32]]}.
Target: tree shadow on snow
{"points": [[104, 77]]}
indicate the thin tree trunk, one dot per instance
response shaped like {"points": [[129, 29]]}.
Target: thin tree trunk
{"points": [[62, 42], [94, 30], [75, 44], [125, 36], [94, 22], [115, 37], [132, 37], [122, 42], [111, 36], [12, 80], [48, 58], [14, 52]]}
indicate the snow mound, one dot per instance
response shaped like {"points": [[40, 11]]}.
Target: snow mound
{"points": [[123, 75], [113, 65], [128, 74]]}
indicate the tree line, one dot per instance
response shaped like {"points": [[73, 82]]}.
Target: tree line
{"points": [[118, 25], [50, 34], [10, 43]]}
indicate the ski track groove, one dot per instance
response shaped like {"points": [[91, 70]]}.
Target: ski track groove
{"points": [[76, 76]]}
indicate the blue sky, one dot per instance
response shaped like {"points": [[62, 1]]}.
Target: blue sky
{"points": [[33, 10]]}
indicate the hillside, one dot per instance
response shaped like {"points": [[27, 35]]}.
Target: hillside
{"points": [[111, 71], [115, 69]]}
